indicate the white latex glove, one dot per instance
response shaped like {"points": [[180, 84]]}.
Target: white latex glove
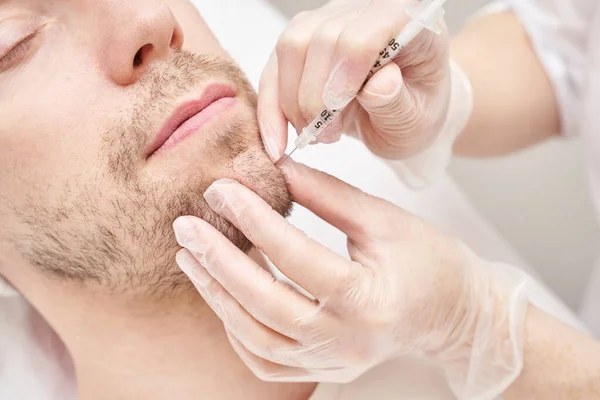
{"points": [[323, 58], [408, 290], [424, 168]]}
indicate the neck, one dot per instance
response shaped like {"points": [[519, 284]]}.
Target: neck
{"points": [[160, 349], [166, 351]]}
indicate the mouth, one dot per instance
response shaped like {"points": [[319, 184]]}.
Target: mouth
{"points": [[190, 116]]}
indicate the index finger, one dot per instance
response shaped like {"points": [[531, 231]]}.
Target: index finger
{"points": [[318, 270], [357, 214]]}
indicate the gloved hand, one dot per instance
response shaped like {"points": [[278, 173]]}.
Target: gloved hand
{"points": [[408, 290], [323, 58]]}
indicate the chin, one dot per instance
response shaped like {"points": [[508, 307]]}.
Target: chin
{"points": [[255, 170], [235, 152], [252, 168]]}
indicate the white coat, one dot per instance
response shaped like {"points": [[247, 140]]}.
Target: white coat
{"points": [[566, 37]]}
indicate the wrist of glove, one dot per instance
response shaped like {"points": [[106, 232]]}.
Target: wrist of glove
{"points": [[483, 353], [421, 170]]}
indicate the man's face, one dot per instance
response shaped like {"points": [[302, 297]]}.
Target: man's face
{"points": [[109, 130]]}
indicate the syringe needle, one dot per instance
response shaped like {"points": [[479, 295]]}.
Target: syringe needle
{"points": [[284, 159]]}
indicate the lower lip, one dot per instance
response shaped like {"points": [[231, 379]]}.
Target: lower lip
{"points": [[194, 124]]}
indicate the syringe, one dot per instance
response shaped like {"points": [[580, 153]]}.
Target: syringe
{"points": [[424, 14]]}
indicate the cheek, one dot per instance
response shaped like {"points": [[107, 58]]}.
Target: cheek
{"points": [[53, 112], [45, 142], [51, 134], [201, 40]]}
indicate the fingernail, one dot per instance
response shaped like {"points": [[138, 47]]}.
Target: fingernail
{"points": [[337, 94], [386, 84], [289, 168], [191, 267], [335, 99], [384, 88], [271, 146], [188, 234], [216, 195]]}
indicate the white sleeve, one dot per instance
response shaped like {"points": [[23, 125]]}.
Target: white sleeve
{"points": [[559, 31], [6, 290]]}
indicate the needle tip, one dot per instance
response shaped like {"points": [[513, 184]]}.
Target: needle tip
{"points": [[284, 159]]}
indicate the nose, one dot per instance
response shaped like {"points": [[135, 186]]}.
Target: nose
{"points": [[142, 32]]}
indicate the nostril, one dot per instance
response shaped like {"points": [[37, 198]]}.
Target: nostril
{"points": [[137, 60], [141, 55]]}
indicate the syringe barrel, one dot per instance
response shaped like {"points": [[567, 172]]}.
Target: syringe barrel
{"points": [[316, 127]]}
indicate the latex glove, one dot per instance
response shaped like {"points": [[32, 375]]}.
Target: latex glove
{"points": [[323, 58], [424, 168], [408, 290]]}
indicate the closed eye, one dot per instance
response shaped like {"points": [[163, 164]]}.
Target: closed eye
{"points": [[16, 53]]}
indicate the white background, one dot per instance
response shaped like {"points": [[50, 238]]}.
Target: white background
{"points": [[537, 199]]}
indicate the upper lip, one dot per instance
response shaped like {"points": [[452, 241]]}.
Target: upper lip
{"points": [[187, 110]]}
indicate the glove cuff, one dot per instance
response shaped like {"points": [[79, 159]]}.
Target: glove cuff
{"points": [[487, 355], [420, 171]]}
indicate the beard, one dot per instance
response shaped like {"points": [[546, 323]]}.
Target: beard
{"points": [[115, 231]]}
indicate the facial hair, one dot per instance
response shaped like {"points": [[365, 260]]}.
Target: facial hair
{"points": [[123, 239]]}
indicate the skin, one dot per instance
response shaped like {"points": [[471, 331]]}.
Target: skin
{"points": [[87, 212], [104, 175], [513, 110]]}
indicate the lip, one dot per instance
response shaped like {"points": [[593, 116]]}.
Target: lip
{"points": [[191, 116]]}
